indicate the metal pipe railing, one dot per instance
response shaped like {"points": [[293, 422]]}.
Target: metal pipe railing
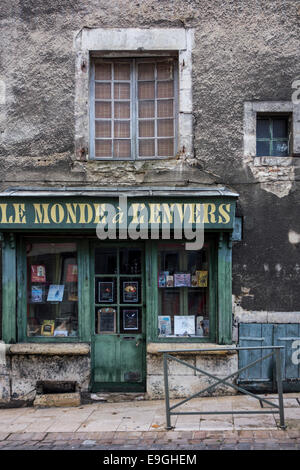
{"points": [[276, 350]]}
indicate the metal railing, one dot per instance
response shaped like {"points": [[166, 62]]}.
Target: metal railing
{"points": [[278, 408]]}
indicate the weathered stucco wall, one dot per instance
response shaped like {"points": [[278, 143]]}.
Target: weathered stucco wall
{"points": [[245, 50]]}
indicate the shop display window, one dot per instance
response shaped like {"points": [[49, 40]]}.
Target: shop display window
{"points": [[52, 290], [183, 291]]}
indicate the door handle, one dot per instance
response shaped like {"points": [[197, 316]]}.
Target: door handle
{"points": [[138, 343]]}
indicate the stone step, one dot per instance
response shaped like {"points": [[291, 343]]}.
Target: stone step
{"points": [[57, 399]]}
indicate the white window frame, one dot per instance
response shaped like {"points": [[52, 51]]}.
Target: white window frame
{"points": [[252, 109], [133, 42]]}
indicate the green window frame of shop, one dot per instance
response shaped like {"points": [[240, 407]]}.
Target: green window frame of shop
{"points": [[14, 297], [83, 333], [220, 293]]}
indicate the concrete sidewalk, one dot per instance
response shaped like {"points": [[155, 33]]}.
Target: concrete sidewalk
{"points": [[142, 422]]}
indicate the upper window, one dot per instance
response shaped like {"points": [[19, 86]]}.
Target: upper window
{"points": [[272, 136], [134, 108]]}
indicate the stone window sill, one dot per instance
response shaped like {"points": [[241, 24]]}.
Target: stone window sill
{"points": [[62, 349], [273, 161], [158, 348]]}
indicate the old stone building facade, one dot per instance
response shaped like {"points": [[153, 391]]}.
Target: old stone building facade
{"points": [[190, 103]]}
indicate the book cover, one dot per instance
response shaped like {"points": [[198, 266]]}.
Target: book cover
{"points": [[55, 293], [38, 273], [164, 325], [170, 281], [72, 273], [202, 278], [36, 294]]}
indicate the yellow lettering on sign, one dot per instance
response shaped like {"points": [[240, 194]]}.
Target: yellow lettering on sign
{"points": [[20, 217], [100, 211], [57, 213], [71, 213], [168, 213], [224, 210], [181, 208], [3, 208], [86, 213], [154, 214], [41, 214], [209, 213], [199, 213], [136, 209]]}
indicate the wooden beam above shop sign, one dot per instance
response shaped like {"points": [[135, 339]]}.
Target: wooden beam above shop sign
{"points": [[86, 213]]}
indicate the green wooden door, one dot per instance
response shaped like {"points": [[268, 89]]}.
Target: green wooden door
{"points": [[118, 329]]}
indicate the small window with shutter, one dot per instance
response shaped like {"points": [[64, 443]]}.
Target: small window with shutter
{"points": [[134, 109]]}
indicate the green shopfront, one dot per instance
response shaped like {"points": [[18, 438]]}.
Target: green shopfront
{"points": [[95, 282]]}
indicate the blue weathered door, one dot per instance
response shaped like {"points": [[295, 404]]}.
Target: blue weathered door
{"points": [[261, 377]]}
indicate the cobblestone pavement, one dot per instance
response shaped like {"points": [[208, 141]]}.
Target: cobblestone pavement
{"points": [[141, 425], [168, 440]]}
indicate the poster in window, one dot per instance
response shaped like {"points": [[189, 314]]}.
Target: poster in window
{"points": [[55, 293], [202, 278], [38, 273], [106, 321], [106, 291], [36, 294], [184, 325], [164, 325], [131, 319], [130, 292], [182, 280], [72, 273], [47, 328]]}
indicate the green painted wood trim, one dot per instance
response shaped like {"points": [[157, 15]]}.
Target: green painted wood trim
{"points": [[151, 290], [9, 288], [224, 320], [84, 298]]}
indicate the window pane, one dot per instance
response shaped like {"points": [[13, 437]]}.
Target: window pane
{"points": [[165, 90], [103, 128], [165, 127], [122, 71], [280, 128], [146, 90], [122, 91], [103, 109], [122, 148], [165, 108], [130, 261], [183, 291], [165, 147], [105, 290], [165, 70], [146, 71], [105, 261], [52, 295], [103, 72], [103, 148], [122, 110], [102, 91], [122, 129], [262, 149], [263, 129], [146, 128], [147, 148], [146, 109], [280, 148]]}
